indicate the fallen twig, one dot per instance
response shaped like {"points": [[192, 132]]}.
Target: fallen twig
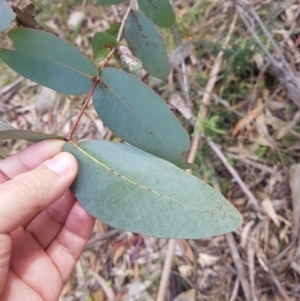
{"points": [[233, 172], [239, 266]]}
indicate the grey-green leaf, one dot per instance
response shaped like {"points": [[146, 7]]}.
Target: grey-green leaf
{"points": [[147, 44], [49, 61], [159, 11], [6, 15], [138, 115], [110, 2], [8, 132], [130, 189], [102, 44]]}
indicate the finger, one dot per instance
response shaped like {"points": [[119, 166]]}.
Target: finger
{"points": [[46, 225], [26, 195], [5, 253], [29, 158], [16, 289], [66, 249], [3, 177], [31, 264]]}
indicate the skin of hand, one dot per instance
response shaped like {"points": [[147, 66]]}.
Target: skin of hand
{"points": [[43, 228]]}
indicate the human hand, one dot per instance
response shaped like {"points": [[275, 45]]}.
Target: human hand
{"points": [[43, 229]]}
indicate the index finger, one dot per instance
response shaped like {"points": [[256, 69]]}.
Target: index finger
{"points": [[29, 158]]}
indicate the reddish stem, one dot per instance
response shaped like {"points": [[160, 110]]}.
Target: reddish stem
{"points": [[107, 58], [68, 137], [119, 35]]}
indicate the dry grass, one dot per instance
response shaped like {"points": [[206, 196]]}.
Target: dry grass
{"points": [[249, 116]]}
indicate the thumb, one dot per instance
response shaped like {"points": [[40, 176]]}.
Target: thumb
{"points": [[27, 194]]}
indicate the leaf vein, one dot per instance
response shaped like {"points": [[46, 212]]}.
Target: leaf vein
{"points": [[59, 64], [134, 113]]}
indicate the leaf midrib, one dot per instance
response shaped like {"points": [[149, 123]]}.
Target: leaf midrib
{"points": [[129, 180], [136, 114], [44, 59]]}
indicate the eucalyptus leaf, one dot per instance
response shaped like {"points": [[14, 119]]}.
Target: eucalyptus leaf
{"points": [[110, 2], [147, 44], [9, 132], [6, 15], [132, 190], [138, 115], [49, 61], [102, 44], [159, 11]]}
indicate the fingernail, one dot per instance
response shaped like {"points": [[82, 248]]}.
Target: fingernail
{"points": [[59, 164]]}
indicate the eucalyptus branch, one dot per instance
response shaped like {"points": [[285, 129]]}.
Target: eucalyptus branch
{"points": [[68, 71], [124, 19], [119, 35], [96, 81]]}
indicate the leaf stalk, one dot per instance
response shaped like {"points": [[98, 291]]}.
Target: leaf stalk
{"points": [[68, 137]]}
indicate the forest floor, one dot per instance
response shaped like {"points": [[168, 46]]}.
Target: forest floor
{"points": [[243, 99]]}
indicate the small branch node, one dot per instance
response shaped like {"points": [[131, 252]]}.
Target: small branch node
{"points": [[119, 35]]}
